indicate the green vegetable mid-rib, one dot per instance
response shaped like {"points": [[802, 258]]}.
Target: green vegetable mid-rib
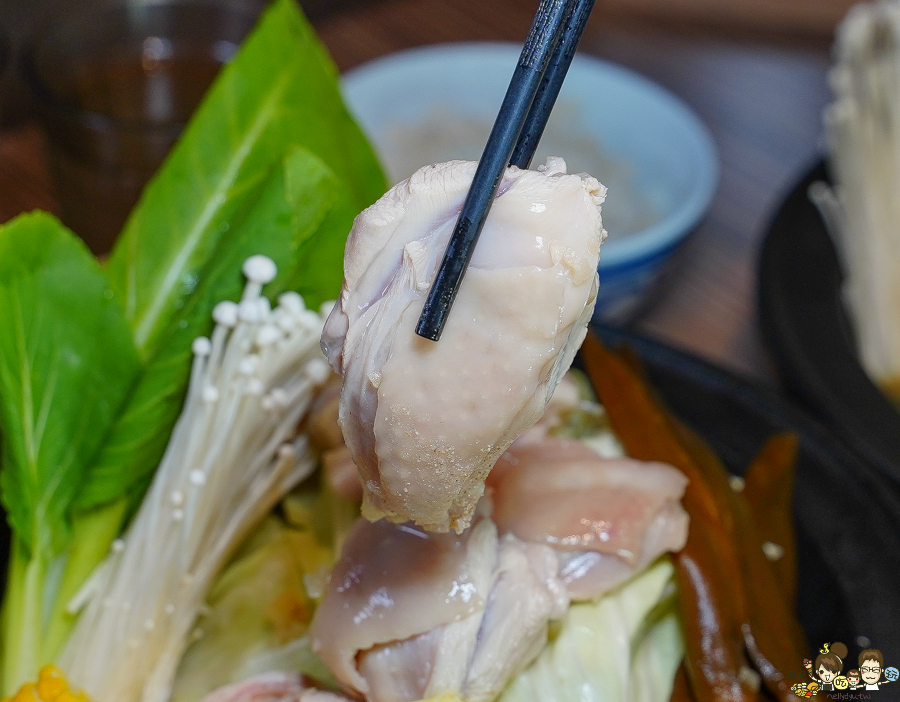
{"points": [[281, 90], [67, 362]]}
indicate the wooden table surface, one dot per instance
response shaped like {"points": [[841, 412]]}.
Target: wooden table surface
{"points": [[761, 100]]}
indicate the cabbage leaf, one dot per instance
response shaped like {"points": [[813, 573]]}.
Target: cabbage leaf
{"points": [[625, 647], [260, 609]]}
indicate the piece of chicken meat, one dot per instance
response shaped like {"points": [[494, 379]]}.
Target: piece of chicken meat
{"points": [[607, 519], [426, 421], [409, 615]]}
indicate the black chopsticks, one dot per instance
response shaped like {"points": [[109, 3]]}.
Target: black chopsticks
{"points": [[532, 92], [554, 75]]}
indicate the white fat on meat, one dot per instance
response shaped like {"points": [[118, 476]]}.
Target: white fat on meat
{"points": [[426, 421], [434, 642], [607, 519], [476, 657], [394, 582], [527, 594]]}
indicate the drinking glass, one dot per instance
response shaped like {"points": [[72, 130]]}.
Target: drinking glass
{"points": [[115, 88]]}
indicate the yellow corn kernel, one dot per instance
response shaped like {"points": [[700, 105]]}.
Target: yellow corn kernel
{"points": [[51, 672], [51, 683], [51, 686], [50, 690], [69, 696], [26, 693]]}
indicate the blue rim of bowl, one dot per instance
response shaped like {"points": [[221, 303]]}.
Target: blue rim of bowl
{"points": [[650, 242]]}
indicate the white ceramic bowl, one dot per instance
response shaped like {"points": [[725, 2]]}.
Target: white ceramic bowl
{"points": [[652, 152]]}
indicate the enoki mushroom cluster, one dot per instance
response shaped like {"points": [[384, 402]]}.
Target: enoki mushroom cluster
{"points": [[233, 454]]}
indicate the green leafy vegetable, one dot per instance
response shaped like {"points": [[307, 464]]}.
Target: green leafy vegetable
{"points": [[587, 659], [301, 201], [281, 90], [223, 195], [67, 362], [301, 216], [271, 164]]}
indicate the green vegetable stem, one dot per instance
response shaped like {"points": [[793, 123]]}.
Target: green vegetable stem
{"points": [[67, 362], [94, 362]]}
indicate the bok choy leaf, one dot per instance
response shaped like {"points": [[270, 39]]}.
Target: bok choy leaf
{"points": [[271, 164], [300, 220], [67, 363], [280, 90], [301, 202]]}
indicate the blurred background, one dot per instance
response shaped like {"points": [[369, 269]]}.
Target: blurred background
{"points": [[755, 71]]}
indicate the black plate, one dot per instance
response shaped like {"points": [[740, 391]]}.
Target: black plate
{"points": [[848, 523], [810, 335]]}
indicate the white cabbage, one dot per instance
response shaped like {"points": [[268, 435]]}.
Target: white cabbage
{"points": [[259, 610], [625, 647]]}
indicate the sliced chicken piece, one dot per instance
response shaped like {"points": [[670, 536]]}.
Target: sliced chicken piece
{"points": [[472, 657], [475, 658], [526, 596], [423, 666], [394, 582], [573, 525], [426, 421], [401, 671], [607, 518]]}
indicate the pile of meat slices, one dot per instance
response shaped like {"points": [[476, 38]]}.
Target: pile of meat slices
{"points": [[479, 528]]}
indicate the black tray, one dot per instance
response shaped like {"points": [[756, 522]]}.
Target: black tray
{"points": [[810, 334], [847, 519]]}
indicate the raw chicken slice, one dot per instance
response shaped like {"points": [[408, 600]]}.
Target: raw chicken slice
{"points": [[572, 526], [608, 518], [401, 671], [475, 658], [470, 655], [395, 581], [424, 666], [526, 596], [426, 421]]}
